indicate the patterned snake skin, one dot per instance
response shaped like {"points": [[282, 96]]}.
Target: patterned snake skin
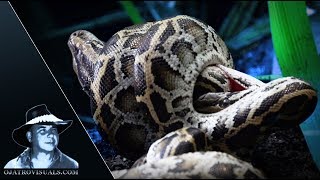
{"points": [[157, 78]]}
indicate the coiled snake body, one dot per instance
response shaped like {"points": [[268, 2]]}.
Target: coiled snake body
{"points": [[152, 79]]}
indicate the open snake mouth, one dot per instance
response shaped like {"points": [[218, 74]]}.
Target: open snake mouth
{"points": [[234, 85], [219, 87]]}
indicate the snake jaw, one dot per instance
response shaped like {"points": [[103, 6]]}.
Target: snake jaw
{"points": [[85, 49]]}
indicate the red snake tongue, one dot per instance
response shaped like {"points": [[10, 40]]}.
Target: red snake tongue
{"points": [[234, 85]]}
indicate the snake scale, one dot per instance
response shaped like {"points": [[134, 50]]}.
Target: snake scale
{"points": [[168, 90]]}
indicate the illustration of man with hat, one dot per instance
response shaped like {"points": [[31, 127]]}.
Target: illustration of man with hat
{"points": [[40, 136]]}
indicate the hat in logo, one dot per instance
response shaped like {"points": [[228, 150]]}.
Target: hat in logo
{"points": [[38, 115]]}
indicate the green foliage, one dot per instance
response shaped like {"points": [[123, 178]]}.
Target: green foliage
{"points": [[132, 11], [297, 55]]}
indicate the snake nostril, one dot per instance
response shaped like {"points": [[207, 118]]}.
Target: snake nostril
{"points": [[78, 34]]}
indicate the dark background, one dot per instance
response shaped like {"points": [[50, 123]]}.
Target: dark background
{"points": [[26, 82]]}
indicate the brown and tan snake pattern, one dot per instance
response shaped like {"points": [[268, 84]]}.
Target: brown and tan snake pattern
{"points": [[175, 75]]}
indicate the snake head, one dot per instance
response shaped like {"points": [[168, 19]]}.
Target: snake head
{"points": [[85, 49]]}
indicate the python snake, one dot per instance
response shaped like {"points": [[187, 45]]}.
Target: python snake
{"points": [[152, 79]]}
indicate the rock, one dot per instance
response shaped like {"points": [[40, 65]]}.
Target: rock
{"points": [[117, 162], [284, 154]]}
